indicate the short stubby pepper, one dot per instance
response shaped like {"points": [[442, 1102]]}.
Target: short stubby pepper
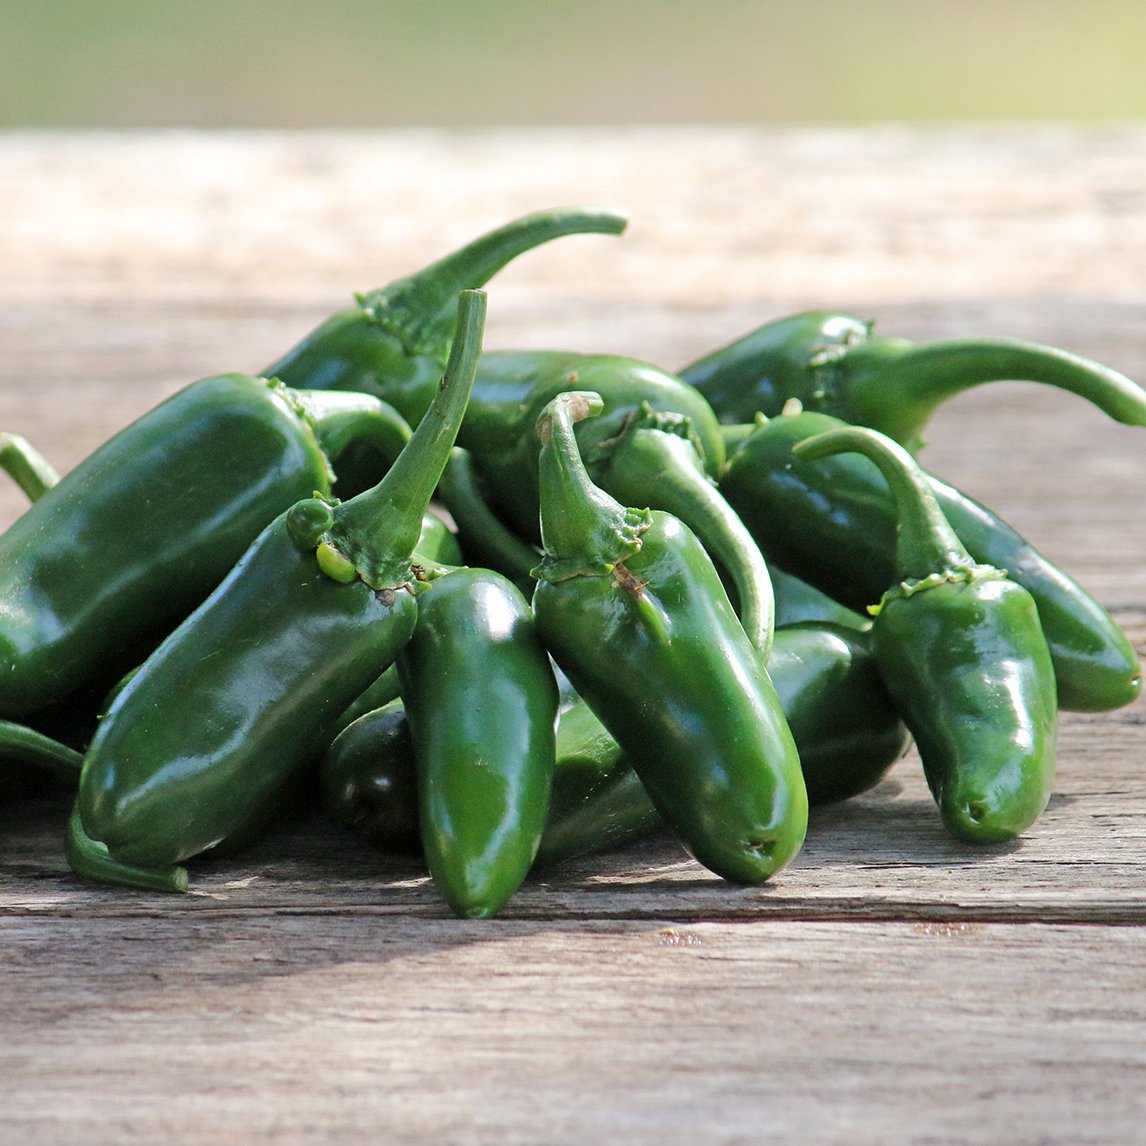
{"points": [[368, 781], [317, 607], [833, 525], [393, 342], [110, 558], [834, 364], [632, 609], [961, 650], [481, 700]]}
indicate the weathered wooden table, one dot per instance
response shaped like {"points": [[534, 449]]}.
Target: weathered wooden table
{"points": [[892, 985]]}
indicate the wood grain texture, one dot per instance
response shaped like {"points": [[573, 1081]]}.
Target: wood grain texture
{"points": [[355, 1028], [892, 985]]}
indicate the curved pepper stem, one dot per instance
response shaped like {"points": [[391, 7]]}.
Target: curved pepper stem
{"points": [[26, 466], [654, 461], [91, 858], [25, 746], [895, 386], [483, 534], [585, 532], [927, 549], [373, 535], [420, 310]]}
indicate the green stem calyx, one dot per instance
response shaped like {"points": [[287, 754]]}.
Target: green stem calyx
{"points": [[927, 550], [419, 310], [895, 385], [656, 460], [584, 531], [372, 536]]}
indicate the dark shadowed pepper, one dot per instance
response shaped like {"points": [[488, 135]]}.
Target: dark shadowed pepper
{"points": [[111, 557], [961, 650], [29, 760], [833, 524], [835, 364], [847, 731], [369, 782], [631, 607], [220, 718]]}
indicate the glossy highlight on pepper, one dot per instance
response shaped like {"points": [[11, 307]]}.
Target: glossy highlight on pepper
{"points": [[272, 658], [833, 524], [481, 701], [964, 657], [835, 364], [633, 611], [111, 557]]}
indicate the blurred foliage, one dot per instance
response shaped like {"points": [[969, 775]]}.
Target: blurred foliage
{"points": [[359, 63]]}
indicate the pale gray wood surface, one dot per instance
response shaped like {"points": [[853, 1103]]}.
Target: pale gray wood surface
{"points": [[892, 985]]}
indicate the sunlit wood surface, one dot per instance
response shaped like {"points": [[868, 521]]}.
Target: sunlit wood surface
{"points": [[892, 985]]}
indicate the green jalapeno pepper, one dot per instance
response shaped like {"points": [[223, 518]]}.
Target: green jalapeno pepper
{"points": [[964, 657], [847, 731], [797, 602], [485, 540], [632, 609], [833, 363], [833, 524], [368, 780], [26, 466], [393, 342], [221, 717], [656, 443], [481, 701], [112, 556]]}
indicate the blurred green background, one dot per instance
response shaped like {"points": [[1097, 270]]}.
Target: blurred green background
{"points": [[365, 63]]}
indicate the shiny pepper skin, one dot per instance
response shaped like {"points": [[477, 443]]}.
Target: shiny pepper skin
{"points": [[631, 608], [115, 554], [481, 701], [837, 365], [220, 719], [833, 523], [963, 655]]}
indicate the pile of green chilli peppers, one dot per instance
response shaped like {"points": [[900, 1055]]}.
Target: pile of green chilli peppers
{"points": [[498, 609]]}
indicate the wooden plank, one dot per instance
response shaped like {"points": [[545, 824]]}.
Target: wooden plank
{"points": [[349, 1029], [891, 985], [882, 856]]}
